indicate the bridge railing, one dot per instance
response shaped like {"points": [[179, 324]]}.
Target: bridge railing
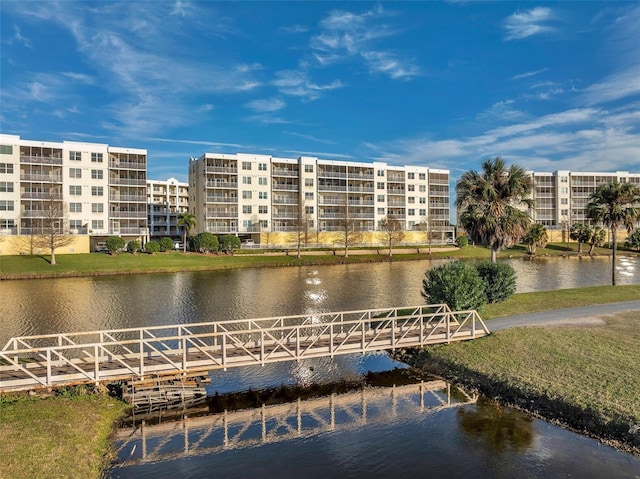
{"points": [[47, 360]]}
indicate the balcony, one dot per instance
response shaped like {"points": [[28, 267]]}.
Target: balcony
{"points": [[279, 200], [127, 165], [128, 198], [128, 214], [361, 203], [222, 184], [395, 191], [222, 169], [35, 214], [42, 160], [285, 186], [283, 172], [41, 178], [332, 174], [128, 181], [41, 196], [361, 189], [361, 176], [329, 187], [221, 214], [285, 215], [222, 199], [128, 231]]}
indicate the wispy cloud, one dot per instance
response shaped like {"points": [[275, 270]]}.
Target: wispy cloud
{"points": [[525, 24], [266, 105], [19, 38], [347, 35], [309, 137], [322, 154], [619, 85], [297, 83], [528, 74]]}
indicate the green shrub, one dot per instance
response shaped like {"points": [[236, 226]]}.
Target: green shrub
{"points": [[229, 243], [152, 247], [114, 243], [133, 246], [457, 284], [166, 244], [499, 280], [204, 243], [462, 241]]}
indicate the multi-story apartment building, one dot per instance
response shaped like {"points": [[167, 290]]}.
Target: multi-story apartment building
{"points": [[561, 197], [98, 190], [166, 199], [246, 194]]}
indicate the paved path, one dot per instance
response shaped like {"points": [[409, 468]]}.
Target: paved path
{"points": [[582, 315]]}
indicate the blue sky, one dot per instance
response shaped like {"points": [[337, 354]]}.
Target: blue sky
{"points": [[444, 84]]}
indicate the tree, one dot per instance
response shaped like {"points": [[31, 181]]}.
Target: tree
{"points": [[350, 234], [425, 225], [462, 241], [633, 240], [187, 222], [53, 231], [598, 235], [301, 229], [581, 233], [489, 204], [204, 243], [499, 280], [456, 284], [114, 243], [229, 243], [133, 246], [393, 232], [166, 244], [152, 247], [615, 205], [536, 236]]}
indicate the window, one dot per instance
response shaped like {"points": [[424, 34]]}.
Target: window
{"points": [[246, 180], [7, 224], [563, 179], [422, 176], [75, 155], [263, 210], [6, 205], [308, 168], [564, 212], [411, 176], [422, 188], [6, 186], [380, 172], [96, 157], [380, 186], [97, 174], [75, 224], [246, 165], [6, 167], [97, 207], [75, 172], [262, 180], [75, 207], [423, 201], [97, 191], [308, 182], [308, 210], [264, 223], [97, 224], [423, 212], [262, 195], [380, 198], [380, 211], [411, 199], [262, 167], [6, 150], [308, 195], [246, 195], [564, 201], [411, 188], [412, 212], [246, 209], [75, 190], [246, 223], [564, 190]]}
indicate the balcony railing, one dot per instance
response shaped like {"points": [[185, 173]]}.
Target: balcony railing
{"points": [[221, 214], [128, 214], [44, 160], [281, 186], [222, 199], [222, 169], [128, 181], [127, 165], [331, 188], [41, 196], [223, 184], [128, 198], [332, 174], [285, 201], [128, 231], [41, 178], [361, 189], [361, 176], [281, 172]]}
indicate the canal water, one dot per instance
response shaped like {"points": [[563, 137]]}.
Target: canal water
{"points": [[470, 440]]}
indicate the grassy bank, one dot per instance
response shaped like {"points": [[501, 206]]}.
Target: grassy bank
{"points": [[583, 377], [56, 437], [93, 264]]}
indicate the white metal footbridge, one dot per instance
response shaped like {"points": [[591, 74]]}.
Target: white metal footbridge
{"points": [[208, 434], [55, 360]]}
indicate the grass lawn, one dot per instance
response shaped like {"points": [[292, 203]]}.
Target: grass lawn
{"points": [[58, 437]]}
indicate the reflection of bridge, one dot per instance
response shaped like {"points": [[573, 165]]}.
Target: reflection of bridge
{"points": [[31, 362], [230, 430]]}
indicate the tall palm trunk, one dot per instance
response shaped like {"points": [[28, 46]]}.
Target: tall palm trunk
{"points": [[614, 245]]}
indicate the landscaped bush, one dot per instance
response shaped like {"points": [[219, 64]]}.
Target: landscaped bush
{"points": [[204, 243], [462, 241], [152, 247], [133, 246], [166, 244], [457, 284], [499, 280], [114, 243], [229, 243]]}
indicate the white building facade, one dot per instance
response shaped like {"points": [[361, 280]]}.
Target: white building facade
{"points": [[166, 199], [102, 188], [245, 194]]}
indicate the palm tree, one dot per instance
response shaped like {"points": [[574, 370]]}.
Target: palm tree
{"points": [[598, 235], [581, 233], [187, 222], [488, 202], [614, 205], [536, 236]]}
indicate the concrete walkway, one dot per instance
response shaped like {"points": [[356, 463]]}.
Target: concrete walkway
{"points": [[582, 315]]}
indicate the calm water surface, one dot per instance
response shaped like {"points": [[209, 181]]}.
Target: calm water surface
{"points": [[467, 441]]}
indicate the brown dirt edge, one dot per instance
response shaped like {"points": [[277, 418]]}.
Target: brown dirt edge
{"points": [[614, 432]]}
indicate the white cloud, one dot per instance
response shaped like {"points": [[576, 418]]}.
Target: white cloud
{"points": [[266, 105], [619, 85], [525, 24], [296, 83], [309, 137], [520, 76]]}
